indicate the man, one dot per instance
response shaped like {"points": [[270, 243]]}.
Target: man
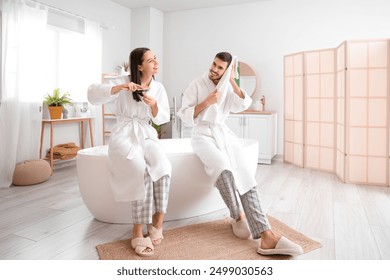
{"points": [[207, 102]]}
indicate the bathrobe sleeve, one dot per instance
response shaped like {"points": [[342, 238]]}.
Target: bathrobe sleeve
{"points": [[100, 93], [190, 100], [163, 114], [239, 104]]}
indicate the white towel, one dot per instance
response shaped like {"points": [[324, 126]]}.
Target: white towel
{"points": [[224, 82], [223, 86]]}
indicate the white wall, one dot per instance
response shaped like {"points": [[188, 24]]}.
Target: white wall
{"points": [[147, 31], [260, 34], [156, 39]]}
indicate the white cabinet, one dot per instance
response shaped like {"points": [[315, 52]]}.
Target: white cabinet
{"points": [[259, 126]]}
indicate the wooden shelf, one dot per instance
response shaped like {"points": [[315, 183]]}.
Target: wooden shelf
{"points": [[107, 114], [54, 123]]}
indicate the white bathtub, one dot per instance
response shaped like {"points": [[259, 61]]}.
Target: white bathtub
{"points": [[191, 193]]}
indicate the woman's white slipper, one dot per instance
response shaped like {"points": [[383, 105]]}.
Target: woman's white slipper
{"points": [[155, 234], [140, 245]]}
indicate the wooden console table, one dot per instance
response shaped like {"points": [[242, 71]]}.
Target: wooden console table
{"points": [[52, 123]]}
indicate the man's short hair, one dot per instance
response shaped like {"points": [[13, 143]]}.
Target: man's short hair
{"points": [[225, 56]]}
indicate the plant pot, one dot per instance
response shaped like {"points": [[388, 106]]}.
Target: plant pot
{"points": [[55, 112]]}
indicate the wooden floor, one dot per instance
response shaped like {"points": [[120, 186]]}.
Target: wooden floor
{"points": [[50, 221]]}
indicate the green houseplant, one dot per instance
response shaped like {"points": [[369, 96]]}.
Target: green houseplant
{"points": [[157, 128], [56, 101]]}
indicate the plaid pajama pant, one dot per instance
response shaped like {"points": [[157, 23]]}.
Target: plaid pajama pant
{"points": [[156, 200], [251, 203]]}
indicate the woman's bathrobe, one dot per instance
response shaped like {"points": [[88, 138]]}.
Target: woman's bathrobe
{"points": [[134, 147], [215, 144]]}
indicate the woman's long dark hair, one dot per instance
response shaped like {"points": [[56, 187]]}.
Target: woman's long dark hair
{"points": [[135, 59]]}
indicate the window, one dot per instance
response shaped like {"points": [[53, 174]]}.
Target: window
{"points": [[71, 56], [65, 62], [72, 59]]}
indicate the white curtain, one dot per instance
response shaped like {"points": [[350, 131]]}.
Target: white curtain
{"points": [[23, 38], [92, 49]]}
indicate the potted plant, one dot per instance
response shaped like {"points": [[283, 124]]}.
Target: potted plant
{"points": [[56, 101], [157, 128]]}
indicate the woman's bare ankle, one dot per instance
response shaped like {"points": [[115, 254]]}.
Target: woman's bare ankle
{"points": [[158, 220], [137, 231]]}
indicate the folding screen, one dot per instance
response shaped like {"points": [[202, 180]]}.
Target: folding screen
{"points": [[340, 111], [319, 84], [345, 123], [367, 117], [293, 109]]}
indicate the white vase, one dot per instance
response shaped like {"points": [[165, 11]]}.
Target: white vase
{"points": [[123, 72]]}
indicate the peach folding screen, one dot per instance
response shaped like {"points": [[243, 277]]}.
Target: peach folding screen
{"points": [[344, 107], [367, 112], [320, 109], [340, 111], [293, 109]]}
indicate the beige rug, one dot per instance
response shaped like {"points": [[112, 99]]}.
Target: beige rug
{"points": [[206, 241]]}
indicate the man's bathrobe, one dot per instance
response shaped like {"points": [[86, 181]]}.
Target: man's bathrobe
{"points": [[215, 144], [134, 146]]}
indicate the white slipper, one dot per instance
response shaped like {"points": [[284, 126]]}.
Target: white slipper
{"points": [[241, 229], [155, 234], [283, 247], [140, 244]]}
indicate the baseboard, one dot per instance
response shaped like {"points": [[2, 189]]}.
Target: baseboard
{"points": [[278, 158]]}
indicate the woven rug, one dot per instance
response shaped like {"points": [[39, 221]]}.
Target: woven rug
{"points": [[207, 241]]}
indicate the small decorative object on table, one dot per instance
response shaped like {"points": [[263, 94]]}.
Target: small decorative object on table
{"points": [[81, 109], [64, 113], [262, 100], [123, 69]]}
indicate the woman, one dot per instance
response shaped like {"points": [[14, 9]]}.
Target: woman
{"points": [[139, 169]]}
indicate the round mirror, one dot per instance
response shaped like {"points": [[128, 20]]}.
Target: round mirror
{"points": [[247, 79]]}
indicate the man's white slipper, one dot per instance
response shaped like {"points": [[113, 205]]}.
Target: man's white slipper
{"points": [[241, 229], [283, 247]]}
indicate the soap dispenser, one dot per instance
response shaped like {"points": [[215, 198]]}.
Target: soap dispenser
{"points": [[262, 100]]}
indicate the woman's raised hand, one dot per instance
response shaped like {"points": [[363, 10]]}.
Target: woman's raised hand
{"points": [[149, 100], [129, 87], [133, 87]]}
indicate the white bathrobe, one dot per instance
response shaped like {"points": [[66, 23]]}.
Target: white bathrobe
{"points": [[134, 146], [215, 144]]}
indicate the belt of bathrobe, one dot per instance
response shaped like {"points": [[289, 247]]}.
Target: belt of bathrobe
{"points": [[219, 132], [135, 137]]}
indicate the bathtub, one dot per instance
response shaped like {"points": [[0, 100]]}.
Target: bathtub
{"points": [[191, 193]]}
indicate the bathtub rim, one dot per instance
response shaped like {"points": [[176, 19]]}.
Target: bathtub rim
{"points": [[103, 149]]}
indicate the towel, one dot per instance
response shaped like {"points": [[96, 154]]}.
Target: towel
{"points": [[223, 87], [64, 151], [224, 82]]}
